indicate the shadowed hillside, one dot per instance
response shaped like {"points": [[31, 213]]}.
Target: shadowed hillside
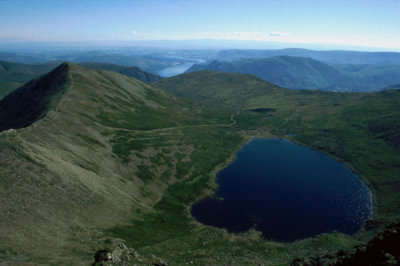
{"points": [[31, 102], [14, 75]]}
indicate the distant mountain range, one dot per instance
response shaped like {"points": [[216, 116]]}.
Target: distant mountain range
{"points": [[395, 87], [148, 61], [307, 73], [330, 57]]}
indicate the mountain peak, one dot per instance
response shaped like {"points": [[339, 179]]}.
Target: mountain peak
{"points": [[68, 66], [32, 101], [73, 92]]}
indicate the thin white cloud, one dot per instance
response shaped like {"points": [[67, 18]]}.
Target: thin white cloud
{"points": [[278, 34], [140, 35], [233, 35], [207, 33]]}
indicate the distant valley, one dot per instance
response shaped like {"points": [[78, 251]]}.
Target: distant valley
{"points": [[292, 68]]}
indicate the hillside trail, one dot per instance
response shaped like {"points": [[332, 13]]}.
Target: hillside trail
{"points": [[63, 97], [231, 124], [57, 109], [293, 109]]}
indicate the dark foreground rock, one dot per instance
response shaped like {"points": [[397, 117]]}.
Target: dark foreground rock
{"points": [[383, 249]]}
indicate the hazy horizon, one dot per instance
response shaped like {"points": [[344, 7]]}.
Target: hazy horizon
{"points": [[195, 44], [325, 25]]}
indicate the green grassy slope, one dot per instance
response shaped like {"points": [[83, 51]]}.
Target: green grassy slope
{"points": [[133, 72], [106, 145], [14, 75], [306, 73], [220, 89]]}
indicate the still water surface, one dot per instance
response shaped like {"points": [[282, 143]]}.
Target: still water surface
{"points": [[179, 69], [287, 192]]}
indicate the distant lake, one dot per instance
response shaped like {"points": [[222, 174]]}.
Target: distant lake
{"points": [[179, 69], [287, 192]]}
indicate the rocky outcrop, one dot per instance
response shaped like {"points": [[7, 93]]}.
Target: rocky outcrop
{"points": [[120, 254]]}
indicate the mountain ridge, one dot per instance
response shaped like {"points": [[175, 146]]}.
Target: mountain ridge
{"points": [[131, 71], [15, 75], [82, 166], [31, 102], [327, 56]]}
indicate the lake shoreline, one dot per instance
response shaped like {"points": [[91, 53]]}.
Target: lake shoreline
{"points": [[358, 203]]}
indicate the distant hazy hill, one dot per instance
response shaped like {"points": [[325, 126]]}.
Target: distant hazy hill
{"points": [[14, 75], [331, 57], [306, 73], [21, 58], [133, 72], [397, 87], [149, 62]]}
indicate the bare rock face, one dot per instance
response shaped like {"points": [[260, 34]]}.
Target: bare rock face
{"points": [[120, 254]]}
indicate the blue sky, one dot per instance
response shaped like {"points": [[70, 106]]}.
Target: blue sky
{"points": [[371, 23]]}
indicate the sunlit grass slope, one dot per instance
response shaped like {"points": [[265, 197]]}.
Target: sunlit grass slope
{"points": [[85, 155]]}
